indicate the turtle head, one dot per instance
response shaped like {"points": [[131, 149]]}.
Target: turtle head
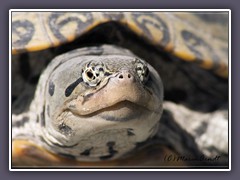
{"points": [[101, 106]]}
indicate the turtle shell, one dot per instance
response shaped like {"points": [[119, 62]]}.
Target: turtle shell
{"points": [[194, 37], [27, 154]]}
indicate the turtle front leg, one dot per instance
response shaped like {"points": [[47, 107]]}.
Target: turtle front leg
{"points": [[24, 150], [194, 134], [22, 125]]}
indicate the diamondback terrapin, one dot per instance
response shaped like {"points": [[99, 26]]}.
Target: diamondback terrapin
{"points": [[100, 100]]}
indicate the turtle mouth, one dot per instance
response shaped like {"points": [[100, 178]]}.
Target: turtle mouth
{"points": [[119, 105], [121, 111]]}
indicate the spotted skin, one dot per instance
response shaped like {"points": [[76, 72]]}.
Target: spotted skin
{"points": [[86, 152], [72, 86], [51, 88], [21, 122], [130, 132], [111, 151], [78, 114]]}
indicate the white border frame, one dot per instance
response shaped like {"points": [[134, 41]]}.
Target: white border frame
{"points": [[117, 10]]}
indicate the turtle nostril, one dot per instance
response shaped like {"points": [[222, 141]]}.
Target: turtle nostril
{"points": [[129, 75], [121, 76]]}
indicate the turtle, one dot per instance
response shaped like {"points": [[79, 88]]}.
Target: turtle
{"points": [[119, 89]]}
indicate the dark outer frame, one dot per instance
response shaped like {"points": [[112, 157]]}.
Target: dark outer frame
{"points": [[4, 102]]}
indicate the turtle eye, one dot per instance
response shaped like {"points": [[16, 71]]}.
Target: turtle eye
{"points": [[93, 73], [142, 70]]}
